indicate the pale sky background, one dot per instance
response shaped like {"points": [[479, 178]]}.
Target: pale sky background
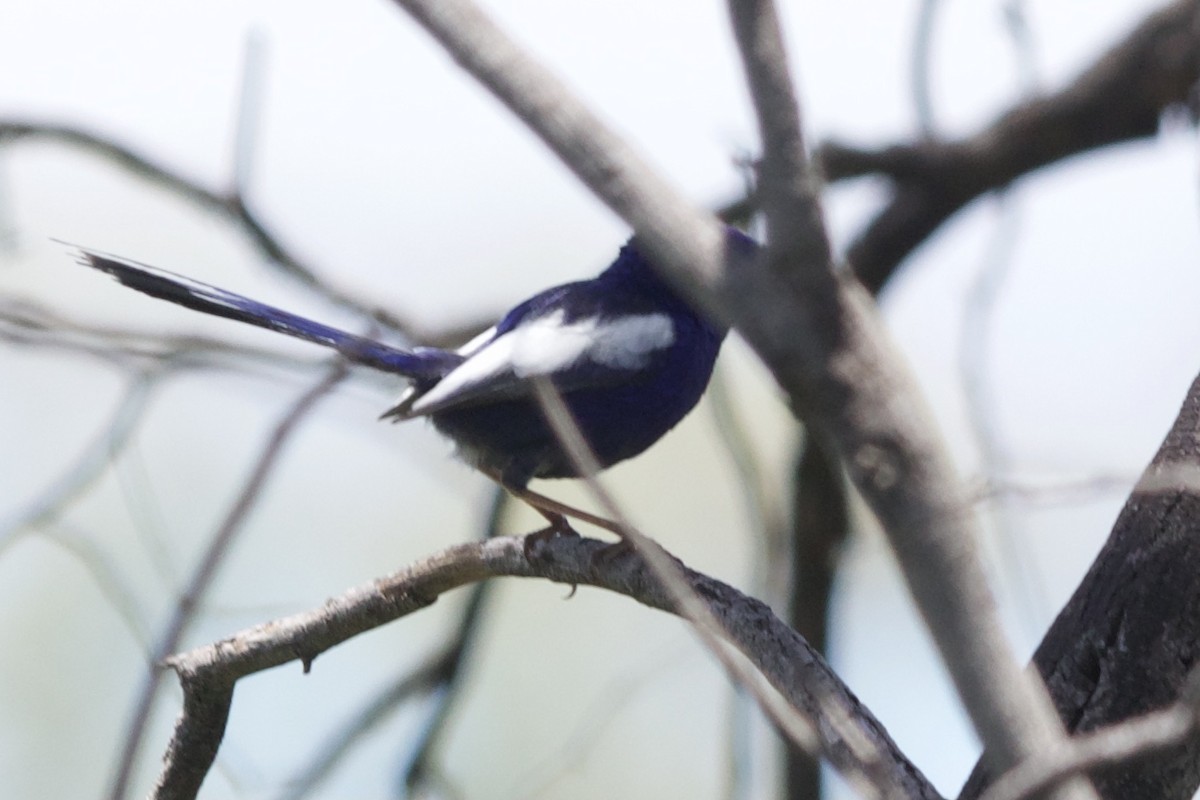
{"points": [[398, 178]]}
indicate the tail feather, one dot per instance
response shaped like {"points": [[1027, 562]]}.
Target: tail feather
{"points": [[419, 363]]}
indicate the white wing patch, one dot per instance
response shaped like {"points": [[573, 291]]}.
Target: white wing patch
{"points": [[627, 342], [545, 346]]}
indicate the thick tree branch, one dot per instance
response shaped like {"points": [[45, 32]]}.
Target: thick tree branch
{"points": [[683, 240], [1126, 641], [1117, 745], [826, 346], [852, 739], [816, 332], [1118, 99]]}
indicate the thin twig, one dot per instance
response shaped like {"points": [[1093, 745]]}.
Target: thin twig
{"points": [[976, 327], [765, 514], [419, 770], [89, 466], [922, 58], [105, 572], [974, 357], [254, 64], [230, 205], [189, 601]]}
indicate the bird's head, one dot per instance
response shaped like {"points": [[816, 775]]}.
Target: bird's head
{"points": [[633, 264], [634, 267]]}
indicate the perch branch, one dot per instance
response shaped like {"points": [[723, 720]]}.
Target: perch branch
{"points": [[209, 673]]}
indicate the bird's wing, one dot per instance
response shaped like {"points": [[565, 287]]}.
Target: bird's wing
{"points": [[421, 362], [586, 352]]}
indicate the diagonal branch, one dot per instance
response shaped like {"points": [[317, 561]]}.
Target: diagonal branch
{"points": [[852, 390], [817, 333], [1128, 638]]}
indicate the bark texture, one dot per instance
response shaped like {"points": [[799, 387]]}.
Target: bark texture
{"points": [[1126, 641]]}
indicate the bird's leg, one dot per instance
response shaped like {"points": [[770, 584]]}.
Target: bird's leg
{"points": [[557, 512]]}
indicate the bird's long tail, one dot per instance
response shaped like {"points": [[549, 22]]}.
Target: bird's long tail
{"points": [[417, 363]]}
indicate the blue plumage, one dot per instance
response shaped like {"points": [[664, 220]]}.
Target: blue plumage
{"points": [[629, 355]]}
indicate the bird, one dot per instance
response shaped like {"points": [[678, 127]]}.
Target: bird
{"points": [[629, 356]]}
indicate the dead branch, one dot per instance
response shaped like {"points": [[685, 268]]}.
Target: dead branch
{"points": [[1119, 98], [850, 736]]}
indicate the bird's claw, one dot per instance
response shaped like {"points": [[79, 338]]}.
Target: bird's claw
{"points": [[559, 526]]}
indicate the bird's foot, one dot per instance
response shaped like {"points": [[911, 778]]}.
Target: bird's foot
{"points": [[559, 526]]}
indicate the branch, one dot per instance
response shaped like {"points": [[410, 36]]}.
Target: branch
{"points": [[1117, 744], [852, 738], [203, 575], [820, 528], [816, 332], [1118, 99], [88, 467], [824, 342], [1125, 642], [439, 678], [233, 207]]}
